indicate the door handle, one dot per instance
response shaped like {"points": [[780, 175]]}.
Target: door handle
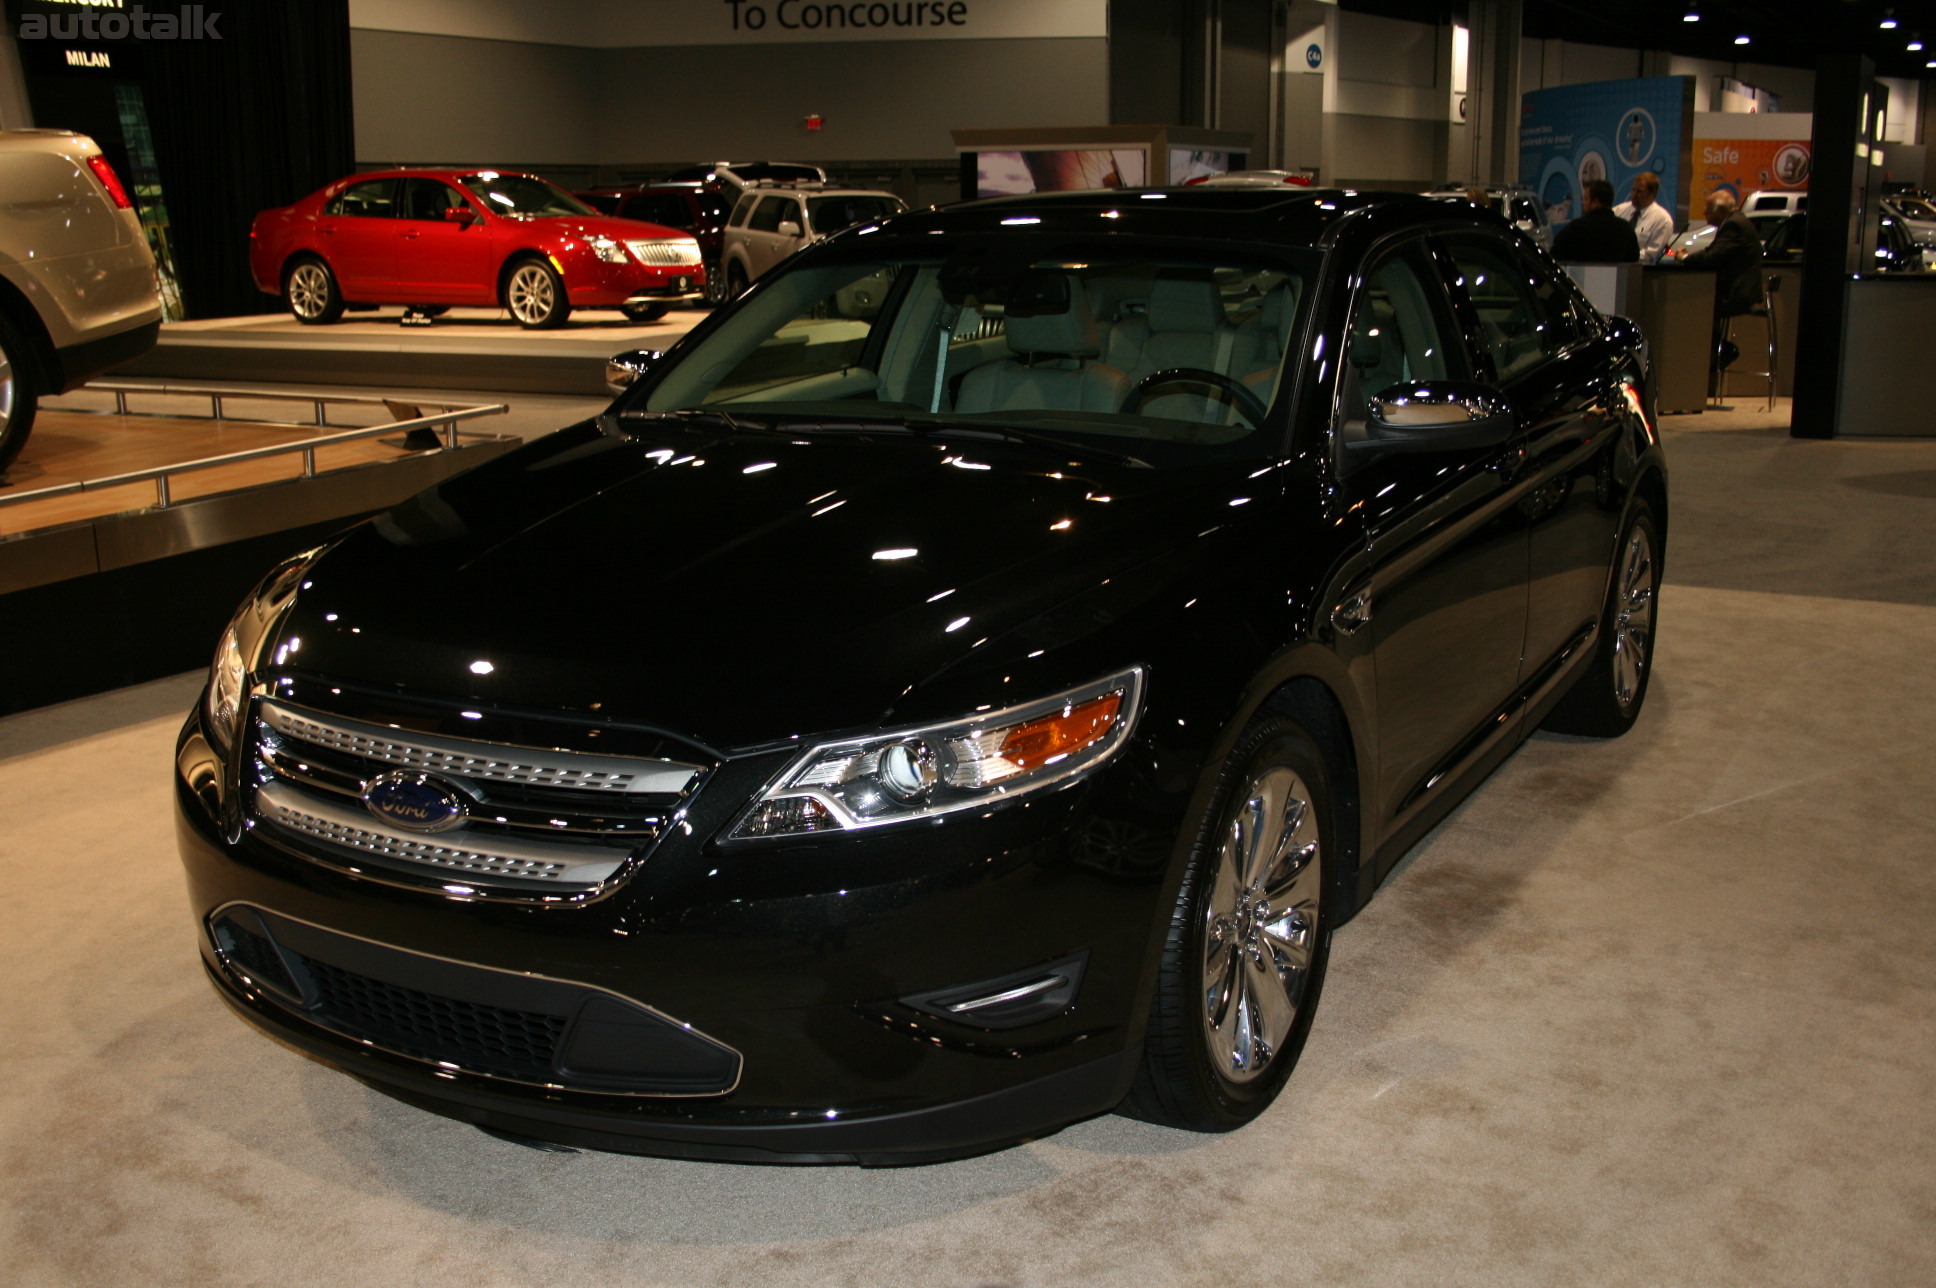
{"points": [[412, 235], [1354, 614]]}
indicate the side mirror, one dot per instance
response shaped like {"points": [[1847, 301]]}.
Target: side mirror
{"points": [[1434, 416], [460, 215], [622, 370], [788, 228]]}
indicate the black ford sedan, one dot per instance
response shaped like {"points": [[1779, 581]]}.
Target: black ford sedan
{"points": [[959, 690]]}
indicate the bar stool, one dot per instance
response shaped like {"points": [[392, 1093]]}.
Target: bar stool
{"points": [[1765, 311]]}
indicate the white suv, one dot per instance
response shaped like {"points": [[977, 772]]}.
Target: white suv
{"points": [[772, 221], [77, 282]]}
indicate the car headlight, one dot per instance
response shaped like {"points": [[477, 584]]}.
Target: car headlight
{"points": [[929, 770], [254, 623], [225, 679], [608, 250]]}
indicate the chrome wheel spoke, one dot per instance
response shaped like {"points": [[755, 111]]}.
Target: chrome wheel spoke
{"points": [[1271, 1009], [1260, 923]]}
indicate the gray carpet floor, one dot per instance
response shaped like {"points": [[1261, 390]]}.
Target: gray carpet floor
{"points": [[1657, 1011]]}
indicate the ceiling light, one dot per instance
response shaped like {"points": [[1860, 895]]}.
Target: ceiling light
{"points": [[1916, 43], [1740, 40], [1889, 20], [1692, 15]]}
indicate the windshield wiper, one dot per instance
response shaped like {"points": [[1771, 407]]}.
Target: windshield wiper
{"points": [[936, 424], [687, 416]]}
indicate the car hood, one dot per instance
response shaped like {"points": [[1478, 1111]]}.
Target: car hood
{"points": [[589, 226], [737, 589]]}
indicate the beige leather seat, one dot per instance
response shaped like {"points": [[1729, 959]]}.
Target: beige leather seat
{"points": [[1184, 327], [1055, 366]]}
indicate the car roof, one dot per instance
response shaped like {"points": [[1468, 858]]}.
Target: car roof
{"points": [[1284, 216]]}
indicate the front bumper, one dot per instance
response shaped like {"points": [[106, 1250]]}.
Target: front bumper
{"points": [[800, 962]]}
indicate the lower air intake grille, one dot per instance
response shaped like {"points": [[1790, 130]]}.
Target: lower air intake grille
{"points": [[489, 1038], [463, 1017]]}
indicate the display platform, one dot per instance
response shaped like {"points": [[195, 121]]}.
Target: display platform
{"points": [[137, 517], [463, 349]]}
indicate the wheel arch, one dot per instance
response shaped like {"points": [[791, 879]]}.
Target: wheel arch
{"points": [[513, 258], [296, 257], [25, 318], [1312, 704], [1651, 487]]}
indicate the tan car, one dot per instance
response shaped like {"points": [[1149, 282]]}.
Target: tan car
{"points": [[770, 222], [77, 281]]}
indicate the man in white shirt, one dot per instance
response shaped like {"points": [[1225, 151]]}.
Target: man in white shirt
{"points": [[1653, 226]]}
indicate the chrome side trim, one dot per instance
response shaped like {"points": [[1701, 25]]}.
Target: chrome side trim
{"points": [[469, 853], [208, 926], [491, 761]]}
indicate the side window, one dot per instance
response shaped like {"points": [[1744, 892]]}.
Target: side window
{"points": [[1525, 315], [428, 198], [744, 209], [371, 199], [768, 214], [1402, 330]]}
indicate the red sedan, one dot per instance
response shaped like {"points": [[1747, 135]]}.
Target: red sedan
{"points": [[429, 239]]}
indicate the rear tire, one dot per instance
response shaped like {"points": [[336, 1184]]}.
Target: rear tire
{"points": [[311, 292], [19, 394], [534, 294], [1605, 701], [1243, 962]]}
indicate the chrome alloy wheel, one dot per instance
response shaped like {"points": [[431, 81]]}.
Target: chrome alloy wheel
{"points": [[1261, 925], [309, 290], [6, 391], [531, 294], [1633, 616]]}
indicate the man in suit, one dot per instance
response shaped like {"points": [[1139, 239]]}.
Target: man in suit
{"points": [[1599, 236], [1734, 254]]}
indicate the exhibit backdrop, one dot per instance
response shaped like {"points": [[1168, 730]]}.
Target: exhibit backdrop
{"points": [[1610, 130], [1743, 153]]}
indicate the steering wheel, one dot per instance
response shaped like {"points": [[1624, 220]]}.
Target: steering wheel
{"points": [[1246, 401]]}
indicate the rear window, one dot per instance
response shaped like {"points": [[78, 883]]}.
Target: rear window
{"points": [[831, 214]]}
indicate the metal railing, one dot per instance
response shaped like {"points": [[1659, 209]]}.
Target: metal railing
{"points": [[447, 417]]}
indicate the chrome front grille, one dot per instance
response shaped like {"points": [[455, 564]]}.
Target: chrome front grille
{"points": [[666, 250], [496, 857], [535, 821]]}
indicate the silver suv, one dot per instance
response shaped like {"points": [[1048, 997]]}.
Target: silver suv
{"points": [[77, 282], [772, 221], [1521, 208]]}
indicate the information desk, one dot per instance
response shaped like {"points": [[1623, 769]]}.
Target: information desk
{"points": [[1888, 383]]}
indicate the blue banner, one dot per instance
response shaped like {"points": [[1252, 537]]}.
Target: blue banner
{"points": [[1610, 130]]}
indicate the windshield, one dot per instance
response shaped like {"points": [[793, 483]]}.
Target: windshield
{"points": [[1082, 342], [522, 197], [1916, 208]]}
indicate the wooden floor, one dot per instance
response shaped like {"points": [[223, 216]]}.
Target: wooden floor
{"points": [[70, 446]]}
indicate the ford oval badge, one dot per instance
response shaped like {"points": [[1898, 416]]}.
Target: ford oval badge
{"points": [[415, 802]]}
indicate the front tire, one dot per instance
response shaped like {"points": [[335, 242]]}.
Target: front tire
{"points": [[534, 294], [311, 292], [1244, 959], [1605, 701], [19, 396], [736, 282]]}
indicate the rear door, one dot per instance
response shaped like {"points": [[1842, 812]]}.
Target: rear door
{"points": [[1539, 343], [357, 234], [440, 261]]}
